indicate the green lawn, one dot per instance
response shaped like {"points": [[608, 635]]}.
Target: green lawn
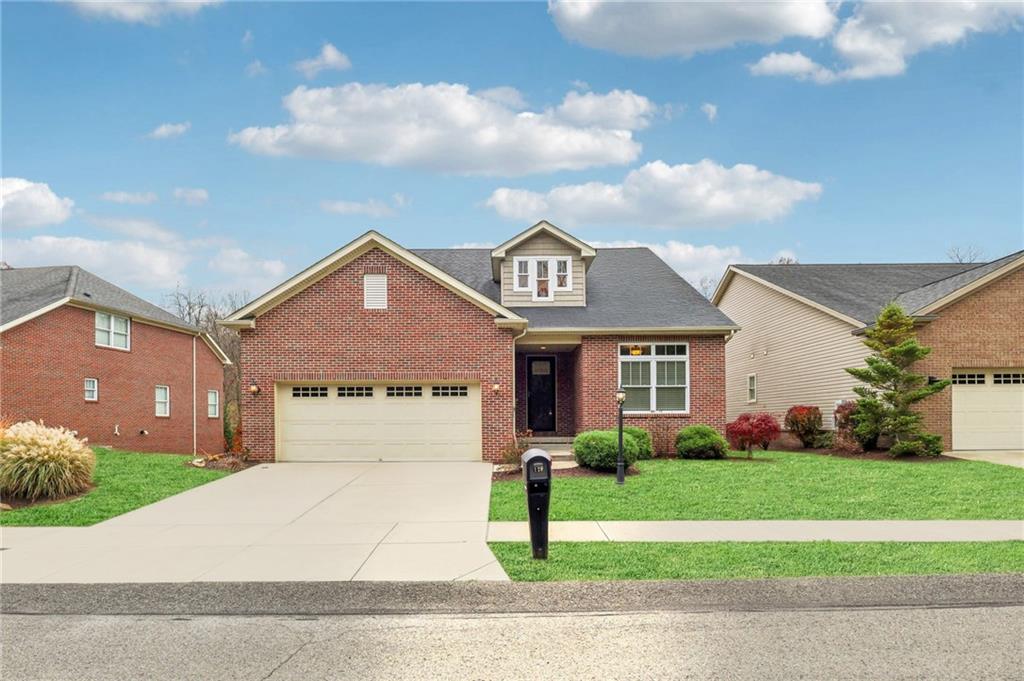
{"points": [[791, 486], [586, 561], [124, 481]]}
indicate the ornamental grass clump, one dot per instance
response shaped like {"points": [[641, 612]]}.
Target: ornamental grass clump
{"points": [[41, 462]]}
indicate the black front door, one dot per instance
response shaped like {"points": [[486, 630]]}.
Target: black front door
{"points": [[540, 393]]}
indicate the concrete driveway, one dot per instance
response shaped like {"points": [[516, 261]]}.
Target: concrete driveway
{"points": [[281, 522], [1004, 457]]}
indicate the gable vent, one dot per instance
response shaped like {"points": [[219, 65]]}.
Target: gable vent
{"points": [[375, 291]]}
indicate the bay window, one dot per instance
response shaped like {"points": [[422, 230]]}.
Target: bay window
{"points": [[655, 376]]}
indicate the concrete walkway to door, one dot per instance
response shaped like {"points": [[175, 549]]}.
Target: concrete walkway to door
{"points": [[281, 522]]}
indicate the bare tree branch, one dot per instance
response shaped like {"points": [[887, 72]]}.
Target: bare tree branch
{"points": [[965, 254]]}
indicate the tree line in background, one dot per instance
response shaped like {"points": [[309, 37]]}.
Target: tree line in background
{"points": [[202, 310]]}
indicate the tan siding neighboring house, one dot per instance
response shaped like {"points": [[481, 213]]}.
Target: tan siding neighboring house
{"points": [[797, 352], [541, 245]]}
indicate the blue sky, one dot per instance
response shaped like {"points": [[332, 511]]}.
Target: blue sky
{"points": [[864, 133]]}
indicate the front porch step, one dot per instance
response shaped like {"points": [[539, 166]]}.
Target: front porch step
{"points": [[549, 440]]}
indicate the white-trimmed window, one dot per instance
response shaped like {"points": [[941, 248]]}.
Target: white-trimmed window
{"points": [[542, 275], [522, 282], [751, 387], [655, 376], [92, 390], [212, 404], [542, 288], [163, 400], [113, 331], [375, 291]]}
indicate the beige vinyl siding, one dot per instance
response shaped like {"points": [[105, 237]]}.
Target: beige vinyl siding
{"points": [[541, 245], [799, 353]]}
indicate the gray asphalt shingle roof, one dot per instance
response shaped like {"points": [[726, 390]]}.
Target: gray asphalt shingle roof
{"points": [[928, 294], [861, 290], [24, 290], [626, 288]]}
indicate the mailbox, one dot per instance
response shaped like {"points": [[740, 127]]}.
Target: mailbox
{"points": [[537, 478]]}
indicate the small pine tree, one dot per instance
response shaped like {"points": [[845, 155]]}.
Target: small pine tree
{"points": [[891, 388]]}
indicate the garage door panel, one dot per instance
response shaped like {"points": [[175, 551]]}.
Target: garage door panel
{"points": [[988, 413], [443, 424]]}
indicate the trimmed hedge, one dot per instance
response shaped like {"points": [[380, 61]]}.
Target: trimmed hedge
{"points": [[599, 449], [701, 442], [643, 441]]}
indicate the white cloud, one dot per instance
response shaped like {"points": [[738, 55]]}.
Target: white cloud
{"points": [[150, 12], [245, 271], [476, 244], [446, 127], [580, 85], [329, 59], [703, 194], [24, 203], [372, 208], [503, 94], [248, 38], [194, 196], [692, 262], [255, 68], [710, 110], [794, 64], [133, 198], [877, 39], [165, 130], [136, 228], [125, 262], [658, 29], [618, 109]]}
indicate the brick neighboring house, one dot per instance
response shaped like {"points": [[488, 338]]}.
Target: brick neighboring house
{"points": [[802, 325], [380, 352], [77, 351]]}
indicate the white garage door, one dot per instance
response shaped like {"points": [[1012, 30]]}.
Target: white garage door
{"points": [[406, 421], [988, 409]]}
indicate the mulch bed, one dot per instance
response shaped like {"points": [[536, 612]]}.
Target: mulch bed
{"points": [[225, 462], [16, 503], [578, 472], [882, 455]]}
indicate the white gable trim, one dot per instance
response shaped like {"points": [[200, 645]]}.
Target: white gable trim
{"points": [[733, 271], [353, 249], [586, 250]]}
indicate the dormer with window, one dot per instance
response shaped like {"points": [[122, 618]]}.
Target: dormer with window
{"points": [[542, 266]]}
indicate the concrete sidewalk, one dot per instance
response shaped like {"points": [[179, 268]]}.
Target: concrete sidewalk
{"points": [[1005, 458], [767, 530]]}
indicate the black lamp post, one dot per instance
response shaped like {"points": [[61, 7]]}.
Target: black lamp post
{"points": [[620, 466]]}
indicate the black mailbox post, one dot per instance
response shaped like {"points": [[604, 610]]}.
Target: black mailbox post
{"points": [[537, 477]]}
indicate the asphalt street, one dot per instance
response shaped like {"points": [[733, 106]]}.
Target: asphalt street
{"points": [[865, 643], [938, 627]]}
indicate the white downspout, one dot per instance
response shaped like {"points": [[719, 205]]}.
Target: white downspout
{"points": [[194, 405]]}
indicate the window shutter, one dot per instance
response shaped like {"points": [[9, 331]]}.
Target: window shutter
{"points": [[375, 291]]}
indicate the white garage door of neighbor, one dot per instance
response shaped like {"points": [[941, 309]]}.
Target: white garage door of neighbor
{"points": [[988, 409], [405, 421]]}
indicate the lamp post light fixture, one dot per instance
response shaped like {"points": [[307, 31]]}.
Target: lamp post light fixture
{"points": [[254, 389], [620, 465]]}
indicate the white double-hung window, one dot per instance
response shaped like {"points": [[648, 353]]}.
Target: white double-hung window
{"points": [[113, 331], [542, 275], [163, 400], [655, 376]]}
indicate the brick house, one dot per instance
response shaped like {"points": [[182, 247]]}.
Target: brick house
{"points": [[802, 325], [77, 351], [381, 352]]}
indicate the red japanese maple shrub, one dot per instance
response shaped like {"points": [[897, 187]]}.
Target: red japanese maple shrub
{"points": [[752, 430], [804, 422]]}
